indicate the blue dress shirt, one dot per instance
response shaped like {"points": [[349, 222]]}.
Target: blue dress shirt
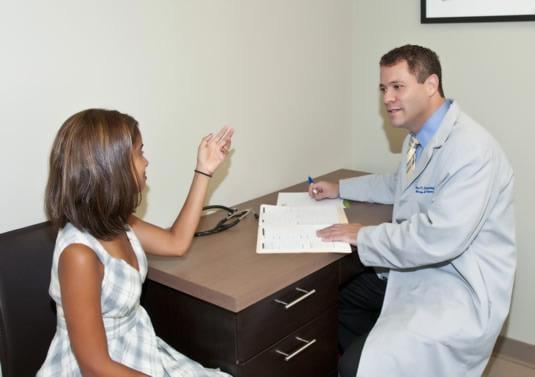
{"points": [[431, 126]]}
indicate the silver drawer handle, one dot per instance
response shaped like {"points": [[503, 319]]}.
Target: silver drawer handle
{"points": [[307, 344], [289, 305]]}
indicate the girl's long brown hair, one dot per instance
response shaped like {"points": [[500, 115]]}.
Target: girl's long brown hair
{"points": [[91, 182]]}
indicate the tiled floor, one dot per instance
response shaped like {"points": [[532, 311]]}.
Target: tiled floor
{"points": [[501, 367]]}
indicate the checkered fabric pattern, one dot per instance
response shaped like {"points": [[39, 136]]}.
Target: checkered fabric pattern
{"points": [[130, 335]]}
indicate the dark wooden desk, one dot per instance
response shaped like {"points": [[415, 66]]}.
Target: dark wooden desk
{"points": [[217, 304]]}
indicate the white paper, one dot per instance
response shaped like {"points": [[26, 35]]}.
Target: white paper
{"points": [[300, 215], [302, 199]]}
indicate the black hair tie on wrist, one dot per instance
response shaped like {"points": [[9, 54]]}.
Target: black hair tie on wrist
{"points": [[203, 173]]}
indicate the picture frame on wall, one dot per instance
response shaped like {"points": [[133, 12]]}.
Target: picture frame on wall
{"points": [[450, 11]]}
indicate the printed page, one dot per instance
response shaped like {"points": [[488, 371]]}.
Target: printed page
{"points": [[293, 229]]}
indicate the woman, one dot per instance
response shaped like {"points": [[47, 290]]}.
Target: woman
{"points": [[97, 175]]}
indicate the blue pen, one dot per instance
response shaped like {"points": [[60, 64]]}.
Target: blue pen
{"points": [[311, 181]]}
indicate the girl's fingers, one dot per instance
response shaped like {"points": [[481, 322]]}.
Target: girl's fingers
{"points": [[207, 138], [226, 146], [220, 135], [224, 135]]}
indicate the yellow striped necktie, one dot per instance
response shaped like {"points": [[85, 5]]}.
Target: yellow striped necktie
{"points": [[411, 154]]}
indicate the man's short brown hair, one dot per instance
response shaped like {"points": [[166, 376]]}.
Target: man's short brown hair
{"points": [[422, 62], [91, 182]]}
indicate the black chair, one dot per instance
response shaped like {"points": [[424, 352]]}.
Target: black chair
{"points": [[27, 313]]}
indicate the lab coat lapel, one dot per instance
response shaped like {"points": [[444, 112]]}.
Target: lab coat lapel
{"points": [[436, 142]]}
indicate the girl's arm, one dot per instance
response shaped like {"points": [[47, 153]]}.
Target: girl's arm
{"points": [[80, 277], [176, 240]]}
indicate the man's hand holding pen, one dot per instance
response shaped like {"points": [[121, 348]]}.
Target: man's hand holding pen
{"points": [[322, 189]]}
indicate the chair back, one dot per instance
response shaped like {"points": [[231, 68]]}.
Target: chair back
{"points": [[27, 313]]}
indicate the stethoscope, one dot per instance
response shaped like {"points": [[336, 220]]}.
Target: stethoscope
{"points": [[233, 217]]}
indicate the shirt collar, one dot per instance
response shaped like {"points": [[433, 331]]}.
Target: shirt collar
{"points": [[431, 126]]}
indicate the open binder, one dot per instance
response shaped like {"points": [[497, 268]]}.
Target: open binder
{"points": [[292, 229]]}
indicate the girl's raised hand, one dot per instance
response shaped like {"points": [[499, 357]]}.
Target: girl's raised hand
{"points": [[213, 150]]}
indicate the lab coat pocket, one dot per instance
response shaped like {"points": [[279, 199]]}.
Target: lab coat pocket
{"points": [[445, 313]]}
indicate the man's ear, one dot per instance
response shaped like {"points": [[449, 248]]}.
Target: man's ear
{"points": [[431, 84]]}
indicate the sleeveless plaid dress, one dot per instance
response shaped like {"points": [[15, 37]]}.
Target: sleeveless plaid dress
{"points": [[129, 332]]}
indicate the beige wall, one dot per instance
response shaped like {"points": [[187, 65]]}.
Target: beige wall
{"points": [[277, 71], [488, 68]]}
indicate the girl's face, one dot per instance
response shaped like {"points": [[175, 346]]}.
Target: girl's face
{"points": [[140, 163]]}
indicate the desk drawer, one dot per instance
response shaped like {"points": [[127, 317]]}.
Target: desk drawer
{"points": [[273, 318], [311, 351]]}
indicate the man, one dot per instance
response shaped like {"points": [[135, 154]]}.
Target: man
{"points": [[450, 249]]}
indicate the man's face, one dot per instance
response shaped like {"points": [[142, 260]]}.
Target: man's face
{"points": [[407, 102]]}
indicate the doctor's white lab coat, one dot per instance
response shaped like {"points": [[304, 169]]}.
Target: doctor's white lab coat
{"points": [[451, 253]]}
